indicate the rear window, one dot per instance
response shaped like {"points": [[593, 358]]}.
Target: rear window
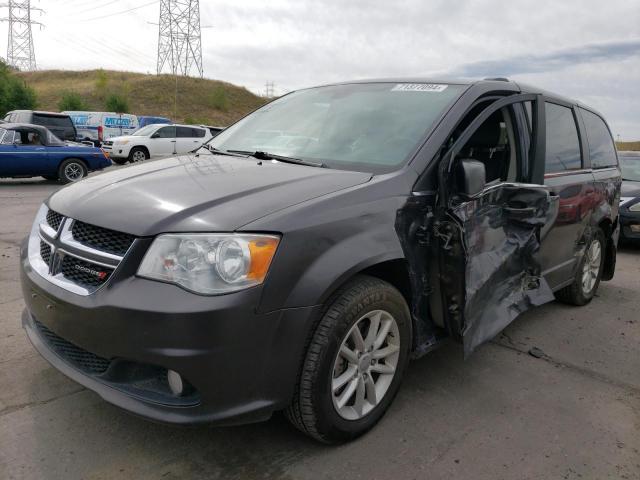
{"points": [[52, 121], [602, 150], [563, 144]]}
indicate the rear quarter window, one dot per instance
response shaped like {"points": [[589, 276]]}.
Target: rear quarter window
{"points": [[53, 121], [602, 150], [563, 144]]}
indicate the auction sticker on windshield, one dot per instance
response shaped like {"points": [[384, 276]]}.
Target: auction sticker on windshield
{"points": [[418, 87]]}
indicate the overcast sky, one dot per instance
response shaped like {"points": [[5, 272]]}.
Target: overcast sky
{"points": [[589, 50]]}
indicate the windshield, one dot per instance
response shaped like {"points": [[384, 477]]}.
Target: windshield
{"points": [[630, 167], [371, 127], [145, 131]]}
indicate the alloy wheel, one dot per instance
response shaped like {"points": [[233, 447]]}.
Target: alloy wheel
{"points": [[365, 365], [591, 266], [73, 172], [138, 156]]}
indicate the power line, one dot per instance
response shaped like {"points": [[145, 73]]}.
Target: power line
{"points": [[20, 50], [179, 38], [119, 13]]}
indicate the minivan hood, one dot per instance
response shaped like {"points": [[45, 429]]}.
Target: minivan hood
{"points": [[195, 193]]}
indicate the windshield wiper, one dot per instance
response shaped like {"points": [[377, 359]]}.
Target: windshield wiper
{"points": [[215, 150], [272, 156]]}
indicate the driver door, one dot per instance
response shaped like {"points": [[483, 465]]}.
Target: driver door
{"points": [[26, 159], [488, 230]]}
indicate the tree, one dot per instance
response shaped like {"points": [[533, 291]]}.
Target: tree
{"points": [[15, 94], [72, 101], [117, 103]]}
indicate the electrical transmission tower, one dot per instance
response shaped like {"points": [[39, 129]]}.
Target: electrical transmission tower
{"points": [[179, 40], [269, 89], [20, 51]]}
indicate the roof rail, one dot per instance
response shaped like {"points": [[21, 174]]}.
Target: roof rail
{"points": [[498, 79]]}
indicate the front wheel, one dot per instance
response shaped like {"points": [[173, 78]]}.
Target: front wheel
{"points": [[72, 170], [588, 274], [354, 363], [138, 154]]}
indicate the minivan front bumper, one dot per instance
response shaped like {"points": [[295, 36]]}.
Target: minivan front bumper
{"points": [[242, 365]]}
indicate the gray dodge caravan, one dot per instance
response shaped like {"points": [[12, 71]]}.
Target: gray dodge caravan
{"points": [[300, 259]]}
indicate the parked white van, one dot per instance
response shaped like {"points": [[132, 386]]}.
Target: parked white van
{"points": [[100, 126], [155, 140]]}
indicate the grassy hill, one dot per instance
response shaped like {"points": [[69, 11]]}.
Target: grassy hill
{"points": [[199, 101], [628, 146]]}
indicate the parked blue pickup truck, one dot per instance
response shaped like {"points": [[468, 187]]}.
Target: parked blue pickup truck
{"points": [[31, 150]]}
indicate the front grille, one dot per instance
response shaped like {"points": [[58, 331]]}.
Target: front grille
{"points": [[45, 252], [54, 219], [84, 273], [78, 357], [110, 241]]}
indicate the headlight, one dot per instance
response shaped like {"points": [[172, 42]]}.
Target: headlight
{"points": [[121, 142], [210, 264]]}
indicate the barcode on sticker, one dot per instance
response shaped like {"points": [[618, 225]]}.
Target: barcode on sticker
{"points": [[418, 87]]}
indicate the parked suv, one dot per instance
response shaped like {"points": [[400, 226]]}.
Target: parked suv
{"points": [[300, 259], [59, 124], [156, 141]]}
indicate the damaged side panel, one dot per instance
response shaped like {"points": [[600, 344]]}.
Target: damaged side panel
{"points": [[490, 271]]}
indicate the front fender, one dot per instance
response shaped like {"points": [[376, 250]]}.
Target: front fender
{"points": [[327, 246]]}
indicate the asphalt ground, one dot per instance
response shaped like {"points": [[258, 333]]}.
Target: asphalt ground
{"points": [[570, 412]]}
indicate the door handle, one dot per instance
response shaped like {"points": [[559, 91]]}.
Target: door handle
{"points": [[514, 212]]}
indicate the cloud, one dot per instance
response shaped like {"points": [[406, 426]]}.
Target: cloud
{"points": [[551, 61]]}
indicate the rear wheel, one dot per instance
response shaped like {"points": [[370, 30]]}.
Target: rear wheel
{"points": [[588, 274], [72, 170], [354, 363], [138, 154]]}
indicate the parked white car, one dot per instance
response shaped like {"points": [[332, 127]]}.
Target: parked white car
{"points": [[100, 126], [155, 140]]}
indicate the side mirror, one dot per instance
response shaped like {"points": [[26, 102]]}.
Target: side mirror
{"points": [[472, 177], [155, 135]]}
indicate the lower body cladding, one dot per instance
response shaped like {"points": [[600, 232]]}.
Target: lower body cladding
{"points": [[629, 225], [130, 341]]}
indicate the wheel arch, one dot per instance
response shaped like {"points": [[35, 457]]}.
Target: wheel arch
{"points": [[610, 248]]}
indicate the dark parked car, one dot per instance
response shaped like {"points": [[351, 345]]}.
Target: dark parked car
{"points": [[630, 196], [60, 124], [33, 151], [301, 258]]}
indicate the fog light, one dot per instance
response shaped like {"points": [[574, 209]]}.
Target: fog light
{"points": [[176, 384]]}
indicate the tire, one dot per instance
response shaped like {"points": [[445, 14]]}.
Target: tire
{"points": [[120, 161], [315, 408], [586, 281], [72, 170], [138, 154]]}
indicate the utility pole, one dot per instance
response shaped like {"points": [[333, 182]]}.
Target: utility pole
{"points": [[179, 38], [269, 89], [20, 51]]}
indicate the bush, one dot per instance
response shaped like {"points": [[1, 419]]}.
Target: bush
{"points": [[15, 94], [101, 83], [117, 103], [72, 101], [218, 99]]}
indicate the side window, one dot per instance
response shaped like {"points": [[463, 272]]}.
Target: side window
{"points": [[563, 144], [601, 148], [167, 132], [183, 132], [198, 133], [493, 144]]}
